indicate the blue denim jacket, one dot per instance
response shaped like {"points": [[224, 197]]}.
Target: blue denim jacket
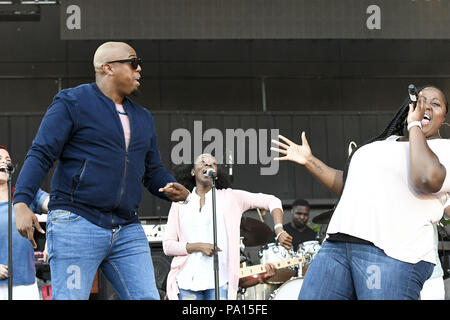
{"points": [[96, 176]]}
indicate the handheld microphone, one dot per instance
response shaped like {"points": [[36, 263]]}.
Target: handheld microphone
{"points": [[210, 172], [10, 168], [412, 91]]}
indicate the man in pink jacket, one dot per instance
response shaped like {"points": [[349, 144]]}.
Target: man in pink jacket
{"points": [[189, 237]]}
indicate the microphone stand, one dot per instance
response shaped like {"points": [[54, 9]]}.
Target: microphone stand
{"points": [[216, 257], [10, 170]]}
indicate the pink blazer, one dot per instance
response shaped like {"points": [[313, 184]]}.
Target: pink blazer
{"points": [[236, 202]]}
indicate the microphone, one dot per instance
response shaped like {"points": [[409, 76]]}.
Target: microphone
{"points": [[210, 172], [412, 91], [10, 168]]}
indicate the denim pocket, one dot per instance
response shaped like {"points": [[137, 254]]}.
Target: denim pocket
{"points": [[57, 216]]}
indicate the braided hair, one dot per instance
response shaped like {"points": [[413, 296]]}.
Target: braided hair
{"points": [[396, 126]]}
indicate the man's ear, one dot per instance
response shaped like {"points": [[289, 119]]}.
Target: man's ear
{"points": [[107, 69]]}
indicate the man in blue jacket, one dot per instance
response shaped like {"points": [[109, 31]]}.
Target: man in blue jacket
{"points": [[106, 147]]}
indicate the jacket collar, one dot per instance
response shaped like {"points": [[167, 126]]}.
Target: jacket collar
{"points": [[126, 99]]}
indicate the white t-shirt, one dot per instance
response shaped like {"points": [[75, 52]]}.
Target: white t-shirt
{"points": [[379, 203], [198, 273]]}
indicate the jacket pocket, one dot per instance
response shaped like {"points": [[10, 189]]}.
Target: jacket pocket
{"points": [[77, 178]]}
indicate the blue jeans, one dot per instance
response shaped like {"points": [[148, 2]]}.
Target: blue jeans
{"points": [[208, 294], [77, 248], [346, 271]]}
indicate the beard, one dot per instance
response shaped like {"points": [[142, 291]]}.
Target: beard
{"points": [[299, 224]]}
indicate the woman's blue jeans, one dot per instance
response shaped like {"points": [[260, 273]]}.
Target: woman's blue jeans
{"points": [[345, 271], [208, 294], [77, 248]]}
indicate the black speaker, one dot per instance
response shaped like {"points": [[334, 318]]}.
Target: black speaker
{"points": [[161, 265]]}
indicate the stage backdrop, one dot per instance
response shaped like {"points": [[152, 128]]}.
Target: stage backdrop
{"points": [[255, 19], [329, 135]]}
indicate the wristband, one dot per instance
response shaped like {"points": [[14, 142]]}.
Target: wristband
{"points": [[415, 123], [277, 226]]}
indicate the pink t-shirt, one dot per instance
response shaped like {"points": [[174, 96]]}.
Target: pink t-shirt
{"points": [[125, 124]]}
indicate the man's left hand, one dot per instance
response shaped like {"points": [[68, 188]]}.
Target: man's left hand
{"points": [[175, 191]]}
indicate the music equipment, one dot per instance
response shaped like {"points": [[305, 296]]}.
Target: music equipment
{"points": [[324, 217], [260, 268], [255, 233]]}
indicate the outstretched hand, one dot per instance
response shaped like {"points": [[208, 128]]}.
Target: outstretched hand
{"points": [[293, 152], [175, 191]]}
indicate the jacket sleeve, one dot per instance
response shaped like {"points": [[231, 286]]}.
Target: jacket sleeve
{"points": [[38, 201], [172, 245], [54, 131], [156, 176], [248, 200]]}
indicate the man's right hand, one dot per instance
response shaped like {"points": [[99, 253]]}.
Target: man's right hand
{"points": [[26, 221]]}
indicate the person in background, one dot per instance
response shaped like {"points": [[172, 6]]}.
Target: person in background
{"points": [[298, 227], [434, 288], [189, 233], [24, 272]]}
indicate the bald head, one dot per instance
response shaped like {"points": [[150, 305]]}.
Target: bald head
{"points": [[110, 51], [116, 79]]}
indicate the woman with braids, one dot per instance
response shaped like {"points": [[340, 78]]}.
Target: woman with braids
{"points": [[24, 273], [379, 241], [189, 234]]}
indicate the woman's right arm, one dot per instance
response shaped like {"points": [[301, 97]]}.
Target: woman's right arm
{"points": [[172, 246], [206, 248], [331, 178]]}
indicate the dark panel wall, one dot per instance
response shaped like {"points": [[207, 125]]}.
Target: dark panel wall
{"points": [[300, 75], [328, 133], [335, 90]]}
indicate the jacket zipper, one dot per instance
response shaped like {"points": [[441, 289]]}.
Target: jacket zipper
{"points": [[122, 188], [83, 167]]}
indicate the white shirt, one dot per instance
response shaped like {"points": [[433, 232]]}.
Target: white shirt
{"points": [[198, 273], [380, 204]]}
